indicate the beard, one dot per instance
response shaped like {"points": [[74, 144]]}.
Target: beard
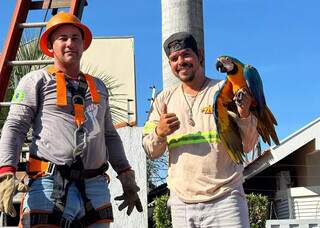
{"points": [[186, 77]]}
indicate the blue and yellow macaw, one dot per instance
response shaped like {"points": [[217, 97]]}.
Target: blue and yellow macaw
{"points": [[241, 77]]}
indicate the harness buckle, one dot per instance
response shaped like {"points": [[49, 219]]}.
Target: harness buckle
{"points": [[80, 140], [77, 99], [51, 168]]}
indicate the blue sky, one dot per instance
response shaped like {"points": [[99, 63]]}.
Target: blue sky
{"points": [[280, 38]]}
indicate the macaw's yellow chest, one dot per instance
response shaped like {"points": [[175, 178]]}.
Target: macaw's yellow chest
{"points": [[237, 81]]}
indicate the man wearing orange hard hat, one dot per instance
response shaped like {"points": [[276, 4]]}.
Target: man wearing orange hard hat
{"points": [[73, 139]]}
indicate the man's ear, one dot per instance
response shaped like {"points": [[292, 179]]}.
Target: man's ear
{"points": [[49, 45]]}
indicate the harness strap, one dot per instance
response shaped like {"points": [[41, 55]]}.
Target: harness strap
{"points": [[78, 99], [92, 88], [78, 96], [39, 217], [39, 167], [103, 214], [61, 85], [61, 89], [75, 173], [78, 113]]}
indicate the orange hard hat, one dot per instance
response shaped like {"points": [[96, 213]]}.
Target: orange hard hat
{"points": [[61, 19]]}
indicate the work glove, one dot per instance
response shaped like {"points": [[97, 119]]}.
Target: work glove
{"points": [[9, 186], [130, 196]]}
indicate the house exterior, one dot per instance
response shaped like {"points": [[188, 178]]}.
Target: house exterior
{"points": [[289, 174]]}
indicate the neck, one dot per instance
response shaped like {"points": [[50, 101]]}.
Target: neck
{"points": [[71, 70], [193, 87]]}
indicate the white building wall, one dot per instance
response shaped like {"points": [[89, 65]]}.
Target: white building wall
{"points": [[132, 142], [304, 202], [100, 58], [293, 223], [298, 203]]}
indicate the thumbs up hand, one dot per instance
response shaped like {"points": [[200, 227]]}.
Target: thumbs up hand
{"points": [[168, 123]]}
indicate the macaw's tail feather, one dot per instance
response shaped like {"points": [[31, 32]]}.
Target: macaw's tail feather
{"points": [[271, 116], [228, 132], [227, 127], [230, 136], [265, 126], [233, 141], [273, 120]]}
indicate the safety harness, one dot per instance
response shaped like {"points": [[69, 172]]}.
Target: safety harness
{"points": [[65, 175]]}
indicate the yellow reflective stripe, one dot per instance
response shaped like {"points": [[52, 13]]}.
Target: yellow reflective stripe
{"points": [[148, 127], [200, 137]]}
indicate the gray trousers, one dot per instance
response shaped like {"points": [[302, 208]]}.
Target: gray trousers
{"points": [[229, 211]]}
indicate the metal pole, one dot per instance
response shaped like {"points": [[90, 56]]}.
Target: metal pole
{"points": [[153, 95], [30, 62], [129, 113]]}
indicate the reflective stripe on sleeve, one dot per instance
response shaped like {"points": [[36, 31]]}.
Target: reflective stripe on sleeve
{"points": [[148, 127], [200, 137]]}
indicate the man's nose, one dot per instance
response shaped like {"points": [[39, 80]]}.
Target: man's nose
{"points": [[180, 60], [69, 41]]}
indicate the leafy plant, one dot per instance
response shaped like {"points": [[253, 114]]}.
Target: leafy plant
{"points": [[28, 50], [117, 100], [161, 213], [258, 210]]}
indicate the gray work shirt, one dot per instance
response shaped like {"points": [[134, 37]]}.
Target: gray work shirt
{"points": [[34, 105]]}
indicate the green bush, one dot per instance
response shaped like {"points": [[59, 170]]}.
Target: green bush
{"points": [[258, 210], [161, 213]]}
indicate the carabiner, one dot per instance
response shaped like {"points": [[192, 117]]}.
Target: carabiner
{"points": [[80, 140]]}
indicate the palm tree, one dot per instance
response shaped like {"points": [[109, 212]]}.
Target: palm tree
{"points": [[116, 100]]}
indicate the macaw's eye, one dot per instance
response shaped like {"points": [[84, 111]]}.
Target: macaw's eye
{"points": [[227, 58]]}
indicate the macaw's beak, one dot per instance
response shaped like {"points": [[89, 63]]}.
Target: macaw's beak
{"points": [[220, 67]]}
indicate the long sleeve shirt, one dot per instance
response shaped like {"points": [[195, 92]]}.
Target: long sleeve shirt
{"points": [[34, 105], [200, 168]]}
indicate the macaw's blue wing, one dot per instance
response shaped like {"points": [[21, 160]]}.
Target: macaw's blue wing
{"points": [[254, 83], [266, 119], [227, 128]]}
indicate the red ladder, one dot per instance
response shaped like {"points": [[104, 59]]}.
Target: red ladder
{"points": [[18, 23]]}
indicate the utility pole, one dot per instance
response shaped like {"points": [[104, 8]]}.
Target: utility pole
{"points": [[177, 16]]}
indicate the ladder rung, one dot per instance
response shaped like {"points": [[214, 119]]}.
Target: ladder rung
{"points": [[30, 62], [45, 4], [25, 149], [32, 25], [5, 104]]}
